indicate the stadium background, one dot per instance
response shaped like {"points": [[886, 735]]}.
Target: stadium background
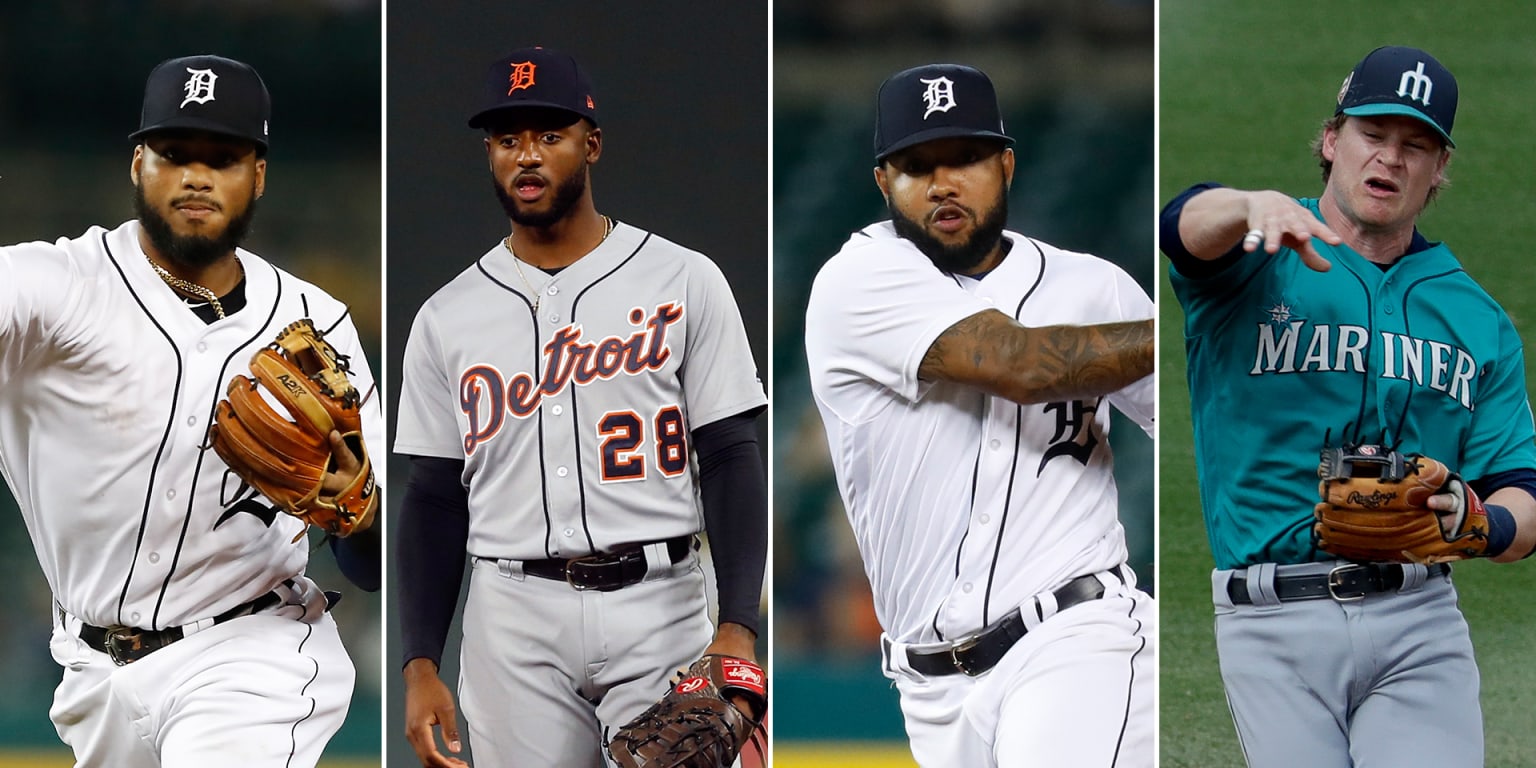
{"points": [[682, 98], [1075, 83], [1244, 88], [70, 94]]}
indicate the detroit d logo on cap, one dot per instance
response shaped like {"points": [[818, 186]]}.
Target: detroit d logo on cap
{"points": [[940, 95], [199, 86], [522, 75], [1413, 82]]}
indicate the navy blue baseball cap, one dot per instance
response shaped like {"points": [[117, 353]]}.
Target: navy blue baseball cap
{"points": [[206, 93], [1395, 80], [935, 101], [535, 77]]}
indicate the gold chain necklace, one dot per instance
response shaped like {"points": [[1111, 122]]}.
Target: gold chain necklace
{"points": [[518, 265], [187, 286]]}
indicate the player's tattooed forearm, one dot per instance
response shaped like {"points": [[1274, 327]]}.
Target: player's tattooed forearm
{"points": [[964, 342], [1063, 362], [1093, 360]]}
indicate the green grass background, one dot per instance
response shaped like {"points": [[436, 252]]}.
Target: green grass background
{"points": [[1244, 87]]}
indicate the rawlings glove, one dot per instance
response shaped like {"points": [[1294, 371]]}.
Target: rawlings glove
{"points": [[1375, 508], [286, 460], [695, 725]]}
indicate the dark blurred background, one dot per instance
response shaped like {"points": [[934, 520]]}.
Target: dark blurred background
{"points": [[1075, 81], [70, 92], [682, 98]]}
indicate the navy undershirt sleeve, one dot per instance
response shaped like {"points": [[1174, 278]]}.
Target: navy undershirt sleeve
{"points": [[432, 531], [360, 556], [734, 494], [1524, 479], [1173, 246]]}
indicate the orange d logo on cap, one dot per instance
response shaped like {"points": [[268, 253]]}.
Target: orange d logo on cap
{"points": [[522, 75]]}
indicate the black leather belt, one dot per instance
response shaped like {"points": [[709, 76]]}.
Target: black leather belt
{"points": [[1346, 582], [982, 651], [608, 571], [126, 645]]}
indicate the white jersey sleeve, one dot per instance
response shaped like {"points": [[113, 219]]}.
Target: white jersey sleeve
{"points": [[875, 309], [1139, 400], [41, 288]]}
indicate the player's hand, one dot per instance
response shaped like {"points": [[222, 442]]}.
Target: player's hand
{"points": [[733, 639], [347, 467], [429, 705], [1285, 223]]}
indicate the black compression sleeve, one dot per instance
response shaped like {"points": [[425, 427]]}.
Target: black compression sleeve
{"points": [[431, 533], [735, 498], [361, 555]]}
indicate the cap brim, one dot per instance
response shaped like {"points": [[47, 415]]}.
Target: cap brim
{"points": [[196, 124], [1372, 110], [483, 116], [947, 132]]}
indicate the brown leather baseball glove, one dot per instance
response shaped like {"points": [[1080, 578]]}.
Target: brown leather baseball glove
{"points": [[695, 725], [1375, 508], [287, 460]]}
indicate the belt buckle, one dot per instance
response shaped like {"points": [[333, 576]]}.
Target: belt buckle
{"points": [[1334, 583], [121, 641], [964, 645], [573, 562]]}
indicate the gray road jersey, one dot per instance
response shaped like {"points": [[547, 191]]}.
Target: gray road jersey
{"points": [[573, 420]]}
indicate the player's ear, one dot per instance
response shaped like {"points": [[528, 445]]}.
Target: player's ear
{"points": [[882, 182], [1007, 168], [594, 145], [261, 177], [1330, 141], [138, 162]]}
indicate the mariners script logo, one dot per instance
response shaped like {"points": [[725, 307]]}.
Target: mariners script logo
{"points": [[199, 86], [486, 398]]}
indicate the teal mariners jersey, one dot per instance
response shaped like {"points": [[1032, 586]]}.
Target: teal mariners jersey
{"points": [[1417, 355]]}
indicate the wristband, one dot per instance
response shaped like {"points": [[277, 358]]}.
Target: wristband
{"points": [[1501, 530]]}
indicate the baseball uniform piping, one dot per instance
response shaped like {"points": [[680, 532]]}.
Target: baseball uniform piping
{"points": [[197, 467], [581, 487], [1013, 466], [1130, 683], [549, 530], [293, 733], [1365, 381], [1397, 433], [164, 436]]}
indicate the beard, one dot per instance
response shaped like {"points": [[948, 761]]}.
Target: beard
{"points": [[191, 251], [566, 193], [961, 257]]}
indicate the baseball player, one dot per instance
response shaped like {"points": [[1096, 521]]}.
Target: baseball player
{"points": [[1348, 325], [187, 631], [964, 374], [578, 404]]}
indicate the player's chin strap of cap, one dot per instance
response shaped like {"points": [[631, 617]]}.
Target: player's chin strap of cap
{"points": [[125, 645], [979, 653]]}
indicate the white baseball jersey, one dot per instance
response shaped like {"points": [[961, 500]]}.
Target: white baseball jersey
{"points": [[573, 420], [107, 386], [964, 505]]}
